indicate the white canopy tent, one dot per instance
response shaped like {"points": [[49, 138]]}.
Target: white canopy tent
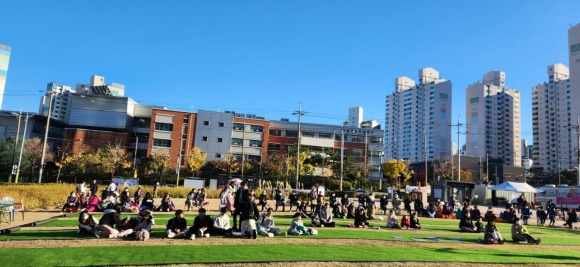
{"points": [[516, 187]]}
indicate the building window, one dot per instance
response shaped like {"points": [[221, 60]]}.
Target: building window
{"points": [[218, 155], [237, 142], [275, 132], [255, 143], [204, 138], [325, 135], [273, 147], [358, 138], [307, 134], [254, 158], [220, 139], [206, 123], [221, 124], [163, 126], [238, 126], [161, 143], [291, 133], [256, 128]]}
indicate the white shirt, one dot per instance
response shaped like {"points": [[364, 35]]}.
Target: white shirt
{"points": [[112, 187], [222, 222]]}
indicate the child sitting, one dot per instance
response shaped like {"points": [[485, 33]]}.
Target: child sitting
{"points": [[315, 221], [405, 222], [492, 235], [297, 227], [71, 202]]}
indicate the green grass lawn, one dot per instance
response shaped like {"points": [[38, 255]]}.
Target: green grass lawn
{"points": [[130, 255], [256, 252]]}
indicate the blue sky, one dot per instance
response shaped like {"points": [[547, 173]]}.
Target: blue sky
{"points": [[266, 57]]}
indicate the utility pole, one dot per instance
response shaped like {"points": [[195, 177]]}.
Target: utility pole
{"points": [[135, 156], [45, 139], [243, 155], [577, 127], [458, 151], [341, 158], [300, 113], [425, 154], [180, 152], [487, 167], [21, 149], [14, 168]]}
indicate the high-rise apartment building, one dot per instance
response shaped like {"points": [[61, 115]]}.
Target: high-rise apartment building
{"points": [[552, 115], [416, 115], [355, 117], [4, 60], [493, 120]]}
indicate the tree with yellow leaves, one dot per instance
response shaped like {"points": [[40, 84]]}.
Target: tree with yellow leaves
{"points": [[158, 161], [394, 168], [112, 158], [195, 159]]}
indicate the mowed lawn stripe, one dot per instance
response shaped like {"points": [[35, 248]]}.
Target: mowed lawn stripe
{"points": [[153, 255]]}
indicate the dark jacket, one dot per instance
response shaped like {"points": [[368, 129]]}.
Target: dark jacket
{"points": [[466, 222], [240, 197], [293, 198], [94, 189], [198, 222], [111, 219], [89, 221], [359, 219], [249, 210], [177, 223], [384, 202]]}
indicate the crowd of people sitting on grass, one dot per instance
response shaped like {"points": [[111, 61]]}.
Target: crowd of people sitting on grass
{"points": [[249, 221]]}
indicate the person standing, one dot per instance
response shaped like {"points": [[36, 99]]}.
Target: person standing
{"points": [[249, 215], [155, 189], [94, 188], [138, 196], [240, 197], [294, 200]]}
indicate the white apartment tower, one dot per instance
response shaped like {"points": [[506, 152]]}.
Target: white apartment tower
{"points": [[416, 115], [61, 102], [552, 115], [493, 120]]}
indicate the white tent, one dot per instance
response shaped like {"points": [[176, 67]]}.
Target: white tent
{"points": [[515, 187]]}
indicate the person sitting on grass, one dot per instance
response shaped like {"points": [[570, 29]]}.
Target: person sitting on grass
{"points": [[360, 219], [315, 221], [143, 228], [202, 225], [148, 202], [520, 233], [302, 209], [249, 216], [83, 200], [350, 210], [392, 221], [479, 228], [166, 203], [415, 224], [431, 210], [405, 222], [384, 202], [221, 223], [297, 227], [459, 213], [466, 225], [489, 215], [177, 226], [71, 202], [492, 235], [110, 201], [419, 208], [446, 211], [475, 213], [94, 203], [266, 225], [126, 198], [263, 200], [87, 223], [190, 199], [109, 223], [326, 216]]}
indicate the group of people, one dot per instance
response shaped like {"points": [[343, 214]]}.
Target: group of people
{"points": [[112, 226]]}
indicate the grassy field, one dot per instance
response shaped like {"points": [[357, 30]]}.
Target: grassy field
{"points": [[56, 243]]}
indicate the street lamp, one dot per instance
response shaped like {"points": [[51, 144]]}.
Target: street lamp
{"points": [[52, 93]]}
